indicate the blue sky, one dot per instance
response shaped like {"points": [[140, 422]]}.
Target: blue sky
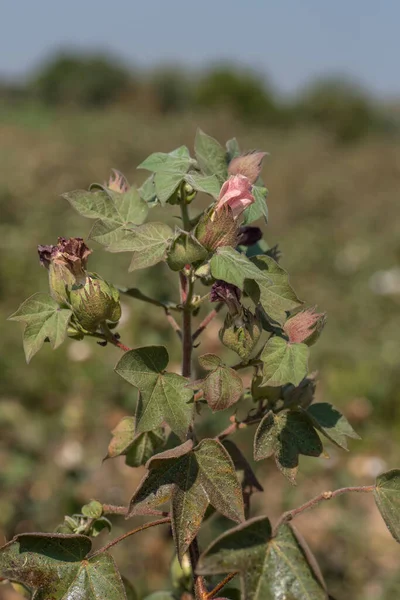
{"points": [[291, 41]]}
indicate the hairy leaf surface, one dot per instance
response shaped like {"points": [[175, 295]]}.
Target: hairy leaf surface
{"points": [[387, 498], [286, 435], [269, 567], [43, 319], [332, 423], [193, 478], [284, 362], [56, 566], [163, 396]]}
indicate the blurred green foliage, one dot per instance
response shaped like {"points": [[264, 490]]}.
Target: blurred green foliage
{"points": [[338, 106], [332, 209]]}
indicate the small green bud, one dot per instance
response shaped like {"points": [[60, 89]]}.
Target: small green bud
{"points": [[190, 193], [95, 302], [241, 333], [181, 574]]}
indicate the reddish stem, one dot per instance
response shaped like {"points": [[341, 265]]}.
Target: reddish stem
{"points": [[126, 535], [221, 585]]}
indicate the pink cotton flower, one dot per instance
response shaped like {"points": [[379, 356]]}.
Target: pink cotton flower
{"points": [[236, 193]]}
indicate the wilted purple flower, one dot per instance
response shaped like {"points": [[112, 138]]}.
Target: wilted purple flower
{"points": [[228, 293], [70, 253], [248, 235]]}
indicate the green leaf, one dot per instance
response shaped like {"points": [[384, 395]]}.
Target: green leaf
{"points": [[245, 473], [209, 184], [274, 292], [284, 362], [222, 387], [129, 590], [261, 277], [259, 208], [286, 435], [176, 161], [148, 242], [211, 156], [166, 184], [193, 478], [93, 510], [232, 149], [56, 566], [137, 448], [270, 567], [332, 423], [163, 396], [387, 498], [43, 319], [170, 169], [233, 267], [185, 250], [147, 191], [114, 211]]}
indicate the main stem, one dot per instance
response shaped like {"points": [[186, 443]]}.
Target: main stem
{"points": [[187, 348]]}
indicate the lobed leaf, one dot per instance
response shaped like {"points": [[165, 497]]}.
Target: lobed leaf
{"points": [[114, 212], [44, 320], [148, 242], [332, 423], [222, 387], [284, 362], [163, 396], [285, 436], [192, 478], [259, 208], [269, 567], [176, 161], [211, 156], [56, 566], [137, 448], [387, 498], [260, 277], [209, 184]]}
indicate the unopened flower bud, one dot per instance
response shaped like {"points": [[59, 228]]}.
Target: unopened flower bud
{"points": [[95, 302], [118, 182], [241, 333], [248, 235], [217, 228], [248, 165], [190, 193], [305, 327]]}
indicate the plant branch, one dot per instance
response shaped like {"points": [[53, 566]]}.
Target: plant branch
{"points": [[111, 509], [291, 514], [136, 293], [110, 337], [221, 585], [173, 323], [133, 532], [211, 315], [235, 425]]}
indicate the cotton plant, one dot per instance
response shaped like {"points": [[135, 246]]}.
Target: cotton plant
{"points": [[221, 262]]}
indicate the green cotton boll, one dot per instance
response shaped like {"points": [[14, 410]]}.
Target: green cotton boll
{"points": [[241, 334], [95, 302]]}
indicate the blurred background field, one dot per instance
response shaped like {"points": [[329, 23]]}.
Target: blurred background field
{"points": [[333, 174]]}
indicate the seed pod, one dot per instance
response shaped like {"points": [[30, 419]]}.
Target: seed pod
{"points": [[241, 334], [95, 302]]}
